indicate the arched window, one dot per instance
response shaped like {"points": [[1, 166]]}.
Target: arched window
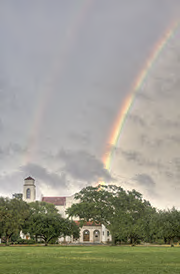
{"points": [[86, 236], [28, 193]]}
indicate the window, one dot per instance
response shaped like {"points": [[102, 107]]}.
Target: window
{"points": [[107, 233], [28, 193]]}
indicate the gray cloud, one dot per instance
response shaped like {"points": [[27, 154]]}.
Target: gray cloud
{"points": [[174, 138], [146, 140], [10, 183], [146, 182], [140, 159], [140, 95], [131, 155], [11, 150], [44, 175], [1, 125], [84, 166], [137, 119], [81, 138]]}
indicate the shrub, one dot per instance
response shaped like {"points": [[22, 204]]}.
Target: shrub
{"points": [[159, 241], [53, 241], [25, 241]]}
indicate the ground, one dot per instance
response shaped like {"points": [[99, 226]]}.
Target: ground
{"points": [[89, 260]]}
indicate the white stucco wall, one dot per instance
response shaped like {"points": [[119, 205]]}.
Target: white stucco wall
{"points": [[102, 229], [29, 184]]}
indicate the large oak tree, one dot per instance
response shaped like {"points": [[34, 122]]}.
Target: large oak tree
{"points": [[124, 213]]}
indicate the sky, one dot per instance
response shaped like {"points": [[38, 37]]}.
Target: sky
{"points": [[66, 69]]}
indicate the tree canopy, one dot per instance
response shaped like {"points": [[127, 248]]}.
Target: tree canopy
{"points": [[46, 223], [124, 213], [13, 214]]}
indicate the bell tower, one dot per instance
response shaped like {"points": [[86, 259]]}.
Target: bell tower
{"points": [[29, 190]]}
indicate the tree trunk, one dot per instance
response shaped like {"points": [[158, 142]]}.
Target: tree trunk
{"points": [[132, 241], [113, 240], [7, 240], [172, 242]]}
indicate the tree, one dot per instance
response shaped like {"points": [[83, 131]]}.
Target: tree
{"points": [[122, 212], [13, 214], [42, 207], [46, 223], [71, 229], [18, 196], [169, 225]]}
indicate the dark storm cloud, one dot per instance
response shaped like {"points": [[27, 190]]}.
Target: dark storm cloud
{"points": [[82, 165], [44, 175]]}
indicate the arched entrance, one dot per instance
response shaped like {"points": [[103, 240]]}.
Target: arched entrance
{"points": [[96, 236], [86, 236]]}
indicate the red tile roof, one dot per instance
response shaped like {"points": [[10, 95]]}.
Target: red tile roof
{"points": [[55, 200], [88, 223], [29, 178]]}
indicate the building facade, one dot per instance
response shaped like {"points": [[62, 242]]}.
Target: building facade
{"points": [[89, 233]]}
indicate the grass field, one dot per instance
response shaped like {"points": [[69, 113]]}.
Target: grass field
{"points": [[93, 259]]}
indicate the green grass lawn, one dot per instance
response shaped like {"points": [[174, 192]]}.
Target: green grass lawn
{"points": [[93, 259]]}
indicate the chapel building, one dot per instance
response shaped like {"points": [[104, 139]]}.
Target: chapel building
{"points": [[89, 233]]}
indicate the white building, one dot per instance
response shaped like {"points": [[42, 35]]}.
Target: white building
{"points": [[89, 233]]}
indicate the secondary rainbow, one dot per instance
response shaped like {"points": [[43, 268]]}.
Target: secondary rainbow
{"points": [[120, 121], [56, 68]]}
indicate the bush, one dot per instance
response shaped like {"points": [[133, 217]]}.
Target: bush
{"points": [[14, 237], [159, 241], [40, 241], [53, 241], [25, 241], [31, 241]]}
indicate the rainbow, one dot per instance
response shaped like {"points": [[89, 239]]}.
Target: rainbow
{"points": [[127, 105], [55, 71]]}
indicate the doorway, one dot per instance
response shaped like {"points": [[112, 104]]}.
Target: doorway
{"points": [[86, 236], [96, 236]]}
